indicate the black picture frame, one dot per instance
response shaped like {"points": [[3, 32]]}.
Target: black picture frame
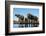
{"points": [[7, 3]]}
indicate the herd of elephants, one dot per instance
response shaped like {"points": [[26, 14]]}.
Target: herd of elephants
{"points": [[27, 21]]}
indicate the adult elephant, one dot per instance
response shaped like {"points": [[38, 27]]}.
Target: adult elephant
{"points": [[33, 19], [21, 18]]}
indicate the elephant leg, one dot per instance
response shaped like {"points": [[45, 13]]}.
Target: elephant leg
{"points": [[26, 25]]}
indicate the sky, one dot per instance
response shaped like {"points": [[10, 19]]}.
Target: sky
{"points": [[25, 11]]}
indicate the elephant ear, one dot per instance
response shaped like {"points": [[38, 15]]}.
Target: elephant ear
{"points": [[17, 15], [30, 16], [36, 18], [21, 17]]}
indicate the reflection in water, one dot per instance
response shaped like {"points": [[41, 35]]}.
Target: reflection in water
{"points": [[21, 25], [24, 25]]}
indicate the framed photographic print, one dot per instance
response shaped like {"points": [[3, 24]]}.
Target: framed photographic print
{"points": [[24, 17]]}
